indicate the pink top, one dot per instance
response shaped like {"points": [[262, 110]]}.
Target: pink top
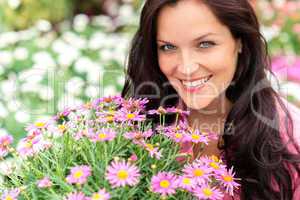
{"points": [[295, 114]]}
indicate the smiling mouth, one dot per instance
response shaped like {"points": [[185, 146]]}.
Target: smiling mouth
{"points": [[197, 83]]}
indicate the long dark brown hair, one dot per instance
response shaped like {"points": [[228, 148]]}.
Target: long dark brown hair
{"points": [[252, 143]]}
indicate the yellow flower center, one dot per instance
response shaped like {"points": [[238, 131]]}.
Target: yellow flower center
{"points": [[214, 165], [28, 144], [130, 116], [195, 137], [150, 146], [61, 127], [102, 136], [110, 118], [186, 181], [178, 135], [97, 196], [215, 158], [207, 192], [164, 184], [78, 174], [198, 172], [122, 174], [39, 124], [8, 198], [227, 178]]}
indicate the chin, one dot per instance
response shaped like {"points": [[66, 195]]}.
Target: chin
{"points": [[201, 103]]}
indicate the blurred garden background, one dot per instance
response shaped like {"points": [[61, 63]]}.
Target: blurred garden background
{"points": [[56, 54]]}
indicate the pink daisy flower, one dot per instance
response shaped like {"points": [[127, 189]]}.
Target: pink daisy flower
{"points": [[122, 173], [31, 145], [153, 151], [79, 174], [134, 104], [76, 196], [44, 183], [11, 194], [105, 134], [5, 141], [213, 163], [208, 193], [196, 137], [100, 195], [200, 173], [164, 183], [227, 180], [186, 183], [127, 116]]}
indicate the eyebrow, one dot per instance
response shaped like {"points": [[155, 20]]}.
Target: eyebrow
{"points": [[196, 39]]}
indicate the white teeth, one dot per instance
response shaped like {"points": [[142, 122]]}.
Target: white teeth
{"points": [[196, 83]]}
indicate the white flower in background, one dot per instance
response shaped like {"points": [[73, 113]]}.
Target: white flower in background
{"points": [[126, 15], [95, 74], [9, 88], [6, 57], [103, 21], [27, 87], [68, 101], [2, 69], [74, 86], [270, 32], [21, 53], [106, 55], [43, 25], [44, 58], [80, 22], [32, 75], [121, 80], [92, 91], [13, 105], [13, 4], [45, 40], [97, 41], [46, 93], [22, 116], [74, 40], [3, 111], [8, 38], [83, 64], [109, 90]]}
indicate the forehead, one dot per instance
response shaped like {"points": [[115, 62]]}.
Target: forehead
{"points": [[187, 18]]}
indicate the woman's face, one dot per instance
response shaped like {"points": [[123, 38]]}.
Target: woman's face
{"points": [[196, 52]]}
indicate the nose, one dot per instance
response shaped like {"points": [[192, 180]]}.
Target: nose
{"points": [[187, 65]]}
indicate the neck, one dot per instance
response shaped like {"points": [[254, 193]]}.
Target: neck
{"points": [[212, 117]]}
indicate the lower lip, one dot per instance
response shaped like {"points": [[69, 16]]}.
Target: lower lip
{"points": [[195, 89]]}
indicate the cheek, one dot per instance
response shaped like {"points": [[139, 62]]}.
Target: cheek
{"points": [[166, 65]]}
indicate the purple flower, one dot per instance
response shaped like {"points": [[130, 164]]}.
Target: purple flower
{"points": [[44, 183], [122, 173], [227, 180], [164, 183], [186, 183], [199, 172], [79, 174], [11, 194], [208, 193], [100, 195], [104, 134], [127, 116], [5, 141], [76, 196]]}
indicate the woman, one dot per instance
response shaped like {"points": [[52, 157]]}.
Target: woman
{"points": [[209, 56]]}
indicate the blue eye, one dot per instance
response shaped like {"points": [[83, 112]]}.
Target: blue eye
{"points": [[206, 44], [166, 47]]}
